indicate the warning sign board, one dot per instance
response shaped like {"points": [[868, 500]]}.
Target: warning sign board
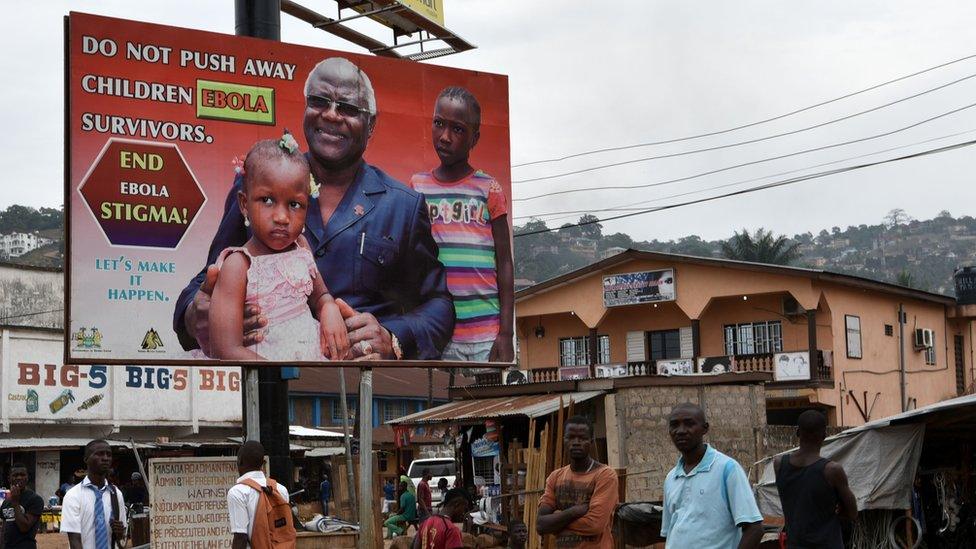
{"points": [[189, 501]]}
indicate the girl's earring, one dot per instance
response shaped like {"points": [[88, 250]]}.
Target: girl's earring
{"points": [[247, 222], [303, 230]]}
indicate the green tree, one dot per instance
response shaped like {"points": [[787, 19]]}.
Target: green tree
{"points": [[761, 247], [593, 229], [906, 279]]}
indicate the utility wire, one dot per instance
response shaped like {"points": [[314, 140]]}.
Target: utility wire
{"points": [[739, 143], [762, 187], [2, 318], [625, 207], [751, 163], [749, 125]]}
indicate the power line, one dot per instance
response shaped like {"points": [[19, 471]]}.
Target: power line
{"points": [[761, 187], [749, 125], [625, 207], [2, 318], [739, 143], [753, 162]]}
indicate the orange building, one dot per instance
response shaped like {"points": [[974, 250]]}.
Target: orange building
{"points": [[832, 342]]}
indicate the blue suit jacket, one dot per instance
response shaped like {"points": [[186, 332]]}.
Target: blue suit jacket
{"points": [[376, 253]]}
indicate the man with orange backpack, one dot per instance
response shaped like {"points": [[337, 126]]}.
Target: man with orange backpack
{"points": [[260, 515]]}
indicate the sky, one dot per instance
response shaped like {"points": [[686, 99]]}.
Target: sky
{"points": [[583, 78]]}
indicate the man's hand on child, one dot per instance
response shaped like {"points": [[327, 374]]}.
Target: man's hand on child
{"points": [[368, 339]]}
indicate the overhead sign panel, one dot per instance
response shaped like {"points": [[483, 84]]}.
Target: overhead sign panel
{"points": [[640, 287]]}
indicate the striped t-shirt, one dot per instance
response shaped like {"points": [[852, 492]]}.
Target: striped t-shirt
{"points": [[461, 213]]}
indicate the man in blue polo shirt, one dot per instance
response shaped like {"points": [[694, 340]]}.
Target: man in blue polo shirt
{"points": [[708, 502]]}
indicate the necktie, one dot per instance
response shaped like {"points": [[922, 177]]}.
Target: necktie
{"points": [[102, 539]]}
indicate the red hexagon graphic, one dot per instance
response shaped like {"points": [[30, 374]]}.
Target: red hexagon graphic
{"points": [[142, 193]]}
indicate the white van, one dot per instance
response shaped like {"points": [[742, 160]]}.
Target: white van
{"points": [[439, 468]]}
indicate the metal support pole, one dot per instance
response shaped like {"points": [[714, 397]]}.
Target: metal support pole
{"points": [[252, 414], [262, 19], [366, 534], [901, 357], [347, 439]]}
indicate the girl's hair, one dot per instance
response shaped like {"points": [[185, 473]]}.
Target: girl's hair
{"points": [[458, 93], [266, 150]]}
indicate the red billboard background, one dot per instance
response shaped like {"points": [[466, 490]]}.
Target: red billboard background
{"points": [[105, 72]]}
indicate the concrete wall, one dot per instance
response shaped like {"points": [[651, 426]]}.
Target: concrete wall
{"points": [[736, 414]]}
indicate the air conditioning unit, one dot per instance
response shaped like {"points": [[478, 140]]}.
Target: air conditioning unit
{"points": [[924, 339], [515, 377], [791, 307]]}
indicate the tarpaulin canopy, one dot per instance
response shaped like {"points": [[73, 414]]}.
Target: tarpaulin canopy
{"points": [[461, 411], [881, 456]]}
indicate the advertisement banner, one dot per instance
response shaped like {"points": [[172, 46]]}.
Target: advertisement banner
{"points": [[39, 388], [189, 501], [636, 288], [370, 221]]}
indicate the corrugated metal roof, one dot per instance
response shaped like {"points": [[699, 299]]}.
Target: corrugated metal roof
{"points": [[325, 452], [486, 408], [308, 432], [34, 443]]}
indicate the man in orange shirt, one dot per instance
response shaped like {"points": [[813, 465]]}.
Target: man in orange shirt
{"points": [[580, 498]]}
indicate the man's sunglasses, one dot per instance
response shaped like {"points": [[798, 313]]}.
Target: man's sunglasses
{"points": [[320, 103]]}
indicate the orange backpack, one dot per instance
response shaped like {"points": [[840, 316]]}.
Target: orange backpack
{"points": [[273, 527]]}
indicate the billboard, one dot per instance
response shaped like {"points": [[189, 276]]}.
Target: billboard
{"points": [[636, 288], [374, 228], [791, 366], [39, 388]]}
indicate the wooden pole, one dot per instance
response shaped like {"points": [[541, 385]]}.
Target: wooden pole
{"points": [[350, 478], [367, 531], [252, 411]]}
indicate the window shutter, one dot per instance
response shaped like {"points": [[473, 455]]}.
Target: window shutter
{"points": [[636, 350], [687, 345]]}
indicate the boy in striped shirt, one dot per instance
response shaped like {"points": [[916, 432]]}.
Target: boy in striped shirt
{"points": [[469, 221]]}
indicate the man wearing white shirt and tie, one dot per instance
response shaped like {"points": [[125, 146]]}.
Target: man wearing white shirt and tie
{"points": [[88, 515]]}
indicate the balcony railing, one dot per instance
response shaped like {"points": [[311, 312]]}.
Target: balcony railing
{"points": [[821, 371]]}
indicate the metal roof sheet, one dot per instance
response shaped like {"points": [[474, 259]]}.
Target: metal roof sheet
{"points": [[486, 408]]}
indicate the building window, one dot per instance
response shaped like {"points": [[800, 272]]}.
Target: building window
{"points": [[393, 409], [754, 338], [930, 352], [664, 344], [574, 351], [337, 411], [484, 467], [889, 330], [853, 327]]}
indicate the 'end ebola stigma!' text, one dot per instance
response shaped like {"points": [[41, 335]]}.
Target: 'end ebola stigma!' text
{"points": [[143, 213]]}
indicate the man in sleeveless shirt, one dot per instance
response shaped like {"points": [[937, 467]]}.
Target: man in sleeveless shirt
{"points": [[813, 490]]}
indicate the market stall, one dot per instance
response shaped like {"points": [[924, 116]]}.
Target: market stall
{"points": [[912, 474]]}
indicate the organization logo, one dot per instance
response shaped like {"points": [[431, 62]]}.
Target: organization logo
{"points": [[151, 342], [88, 340]]}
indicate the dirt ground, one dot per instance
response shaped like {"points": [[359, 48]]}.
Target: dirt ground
{"points": [[52, 541]]}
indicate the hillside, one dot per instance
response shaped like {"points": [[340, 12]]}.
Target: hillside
{"points": [[900, 249]]}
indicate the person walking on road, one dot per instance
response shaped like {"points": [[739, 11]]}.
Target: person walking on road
{"points": [[325, 491], [242, 500], [813, 490], [424, 499], [579, 500], [93, 512], [708, 501], [20, 510]]}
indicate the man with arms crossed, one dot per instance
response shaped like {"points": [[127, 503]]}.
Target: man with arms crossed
{"points": [[813, 490], [86, 514], [578, 503], [708, 501]]}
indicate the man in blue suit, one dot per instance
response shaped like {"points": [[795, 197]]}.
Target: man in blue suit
{"points": [[369, 233]]}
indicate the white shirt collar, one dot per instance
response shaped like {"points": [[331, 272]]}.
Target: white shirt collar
{"points": [[88, 482], [256, 475]]}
